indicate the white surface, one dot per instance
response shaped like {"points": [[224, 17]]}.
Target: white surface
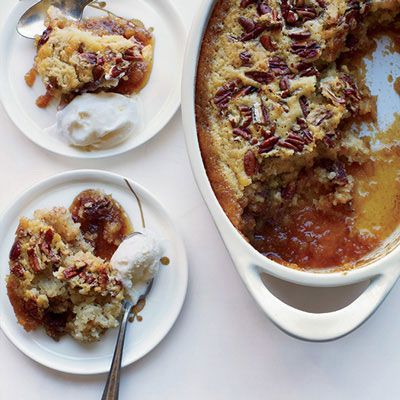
{"points": [[159, 99], [162, 305], [222, 346]]}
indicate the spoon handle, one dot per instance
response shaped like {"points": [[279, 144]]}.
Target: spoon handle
{"points": [[111, 390]]}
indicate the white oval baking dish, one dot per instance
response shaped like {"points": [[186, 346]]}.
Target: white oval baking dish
{"points": [[381, 269]]}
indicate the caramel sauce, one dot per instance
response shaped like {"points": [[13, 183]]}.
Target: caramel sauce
{"points": [[136, 309], [104, 222], [165, 261], [30, 77], [396, 85], [308, 238]]}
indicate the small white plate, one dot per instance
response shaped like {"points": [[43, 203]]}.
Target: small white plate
{"points": [[164, 301], [159, 99]]}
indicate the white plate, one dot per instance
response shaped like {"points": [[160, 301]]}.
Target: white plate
{"points": [[159, 99], [164, 302]]}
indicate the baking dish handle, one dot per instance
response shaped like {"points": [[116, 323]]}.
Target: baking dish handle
{"points": [[319, 326]]}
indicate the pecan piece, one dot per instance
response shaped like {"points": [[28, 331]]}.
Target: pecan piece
{"points": [[278, 66], [225, 93], [263, 8], [267, 43], [250, 163], [70, 272], [245, 57], [268, 144], [260, 76], [45, 37], [15, 251], [255, 33], [304, 105], [246, 3], [243, 132], [17, 269], [33, 260], [246, 23]]}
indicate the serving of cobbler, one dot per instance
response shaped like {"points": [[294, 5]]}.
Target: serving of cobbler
{"points": [[101, 53], [60, 272], [279, 84]]}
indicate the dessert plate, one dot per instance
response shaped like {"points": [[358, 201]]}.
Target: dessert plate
{"points": [[159, 100], [163, 304]]}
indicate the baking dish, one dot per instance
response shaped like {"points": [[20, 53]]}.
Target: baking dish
{"points": [[380, 268]]}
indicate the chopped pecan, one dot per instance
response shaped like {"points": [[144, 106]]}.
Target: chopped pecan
{"points": [[247, 24], [250, 163], [268, 144], [225, 93], [263, 8], [243, 132], [300, 35], [45, 37], [245, 57], [306, 13], [17, 269], [15, 251], [71, 272], [255, 33], [320, 117], [307, 69], [246, 3], [33, 259], [267, 43], [278, 66], [260, 76], [304, 105], [306, 50]]}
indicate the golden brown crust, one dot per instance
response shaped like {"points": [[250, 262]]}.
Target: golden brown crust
{"points": [[225, 195]]}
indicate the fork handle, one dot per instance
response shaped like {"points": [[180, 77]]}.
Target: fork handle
{"points": [[111, 390]]}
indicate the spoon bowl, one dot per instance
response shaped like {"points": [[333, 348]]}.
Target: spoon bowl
{"points": [[32, 24]]}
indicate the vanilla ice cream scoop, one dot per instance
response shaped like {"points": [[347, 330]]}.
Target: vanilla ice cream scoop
{"points": [[100, 120], [137, 261]]}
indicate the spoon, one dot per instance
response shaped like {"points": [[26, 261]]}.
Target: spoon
{"points": [[111, 390], [32, 21]]}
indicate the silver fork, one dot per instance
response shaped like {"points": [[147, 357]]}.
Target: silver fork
{"points": [[111, 390]]}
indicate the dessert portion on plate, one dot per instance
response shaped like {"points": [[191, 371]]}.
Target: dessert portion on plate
{"points": [[62, 274], [278, 85], [89, 57]]}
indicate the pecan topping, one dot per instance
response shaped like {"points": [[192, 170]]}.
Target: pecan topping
{"points": [[255, 33], [45, 37], [278, 66], [267, 43], [306, 50], [304, 105], [247, 24], [17, 269], [246, 3], [225, 93], [263, 8], [250, 163], [243, 132], [245, 57], [71, 272], [15, 251], [320, 117], [33, 260], [268, 144], [260, 76], [300, 35]]}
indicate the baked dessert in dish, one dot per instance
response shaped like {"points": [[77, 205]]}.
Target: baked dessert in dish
{"points": [[101, 53], [278, 87], [60, 276]]}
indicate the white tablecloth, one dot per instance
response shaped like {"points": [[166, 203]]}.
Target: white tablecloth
{"points": [[222, 346]]}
